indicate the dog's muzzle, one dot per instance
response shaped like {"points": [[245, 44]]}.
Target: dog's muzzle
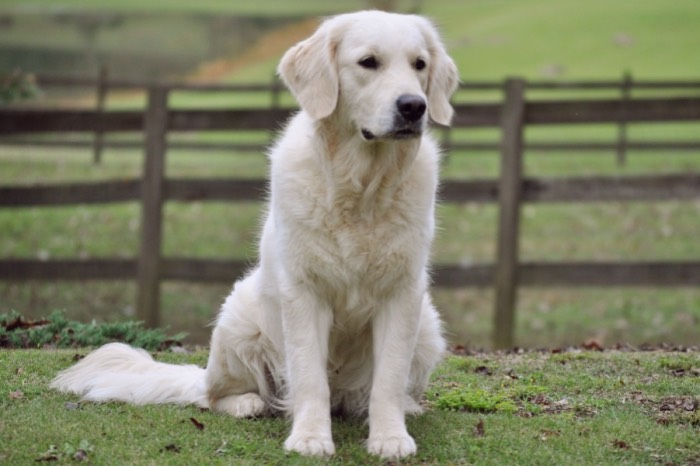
{"points": [[408, 119]]}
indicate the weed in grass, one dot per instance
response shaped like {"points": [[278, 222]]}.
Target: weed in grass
{"points": [[476, 400], [681, 364], [67, 453], [59, 332]]}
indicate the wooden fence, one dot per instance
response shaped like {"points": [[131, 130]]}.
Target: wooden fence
{"points": [[624, 87], [510, 191]]}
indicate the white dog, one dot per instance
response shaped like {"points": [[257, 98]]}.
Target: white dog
{"points": [[337, 315]]}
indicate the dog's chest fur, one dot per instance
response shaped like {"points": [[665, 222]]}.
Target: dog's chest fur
{"points": [[361, 245]]}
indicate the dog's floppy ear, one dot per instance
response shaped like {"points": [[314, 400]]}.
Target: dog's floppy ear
{"points": [[310, 71], [443, 78]]}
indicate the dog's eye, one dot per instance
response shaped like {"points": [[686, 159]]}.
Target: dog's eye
{"points": [[370, 63], [419, 64]]}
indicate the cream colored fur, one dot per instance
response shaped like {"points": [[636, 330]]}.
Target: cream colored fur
{"points": [[337, 315]]}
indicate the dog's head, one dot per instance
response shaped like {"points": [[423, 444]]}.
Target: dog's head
{"points": [[385, 72]]}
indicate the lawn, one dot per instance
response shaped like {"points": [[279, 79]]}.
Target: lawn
{"points": [[574, 407]]}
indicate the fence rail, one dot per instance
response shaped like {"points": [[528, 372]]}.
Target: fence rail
{"points": [[510, 191]]}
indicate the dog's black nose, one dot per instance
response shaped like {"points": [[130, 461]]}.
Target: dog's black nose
{"points": [[411, 107]]}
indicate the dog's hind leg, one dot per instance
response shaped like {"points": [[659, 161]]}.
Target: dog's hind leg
{"points": [[238, 371], [231, 387]]}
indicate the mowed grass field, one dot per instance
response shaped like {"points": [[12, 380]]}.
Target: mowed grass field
{"points": [[489, 40], [602, 408]]}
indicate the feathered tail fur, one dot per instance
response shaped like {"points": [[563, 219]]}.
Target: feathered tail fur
{"points": [[118, 372]]}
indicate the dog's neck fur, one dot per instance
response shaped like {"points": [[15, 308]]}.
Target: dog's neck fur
{"points": [[363, 175]]}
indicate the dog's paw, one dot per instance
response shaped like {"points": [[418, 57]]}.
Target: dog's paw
{"points": [[391, 446], [246, 405], [310, 445]]}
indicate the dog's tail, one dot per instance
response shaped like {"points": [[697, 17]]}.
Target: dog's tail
{"points": [[118, 372]]}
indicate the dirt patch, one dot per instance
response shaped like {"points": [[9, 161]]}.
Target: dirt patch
{"points": [[678, 410], [684, 410], [270, 46]]}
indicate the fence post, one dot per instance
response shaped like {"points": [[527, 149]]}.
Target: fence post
{"points": [[275, 95], [149, 263], [101, 97], [625, 89], [446, 144], [275, 91], [509, 199]]}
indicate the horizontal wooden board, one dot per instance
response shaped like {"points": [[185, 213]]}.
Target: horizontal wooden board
{"points": [[224, 189], [531, 274], [611, 188], [462, 276], [204, 270], [612, 111], [70, 193], [575, 274], [239, 119], [610, 274], [18, 121], [68, 269], [575, 189]]}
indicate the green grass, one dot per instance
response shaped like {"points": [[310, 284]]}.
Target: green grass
{"points": [[490, 40], [569, 408]]}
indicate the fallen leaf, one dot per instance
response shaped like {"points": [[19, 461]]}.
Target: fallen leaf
{"points": [[547, 434], [197, 424], [171, 447], [666, 407], [49, 455], [16, 395], [674, 404], [622, 445], [223, 449], [479, 430], [483, 370], [691, 405], [592, 345]]}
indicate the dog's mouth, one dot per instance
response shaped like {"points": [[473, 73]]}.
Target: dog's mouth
{"points": [[410, 132]]}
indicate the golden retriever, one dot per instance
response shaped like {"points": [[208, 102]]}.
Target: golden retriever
{"points": [[337, 315]]}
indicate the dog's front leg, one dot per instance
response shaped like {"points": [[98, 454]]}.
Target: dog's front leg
{"points": [[307, 324], [394, 337]]}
